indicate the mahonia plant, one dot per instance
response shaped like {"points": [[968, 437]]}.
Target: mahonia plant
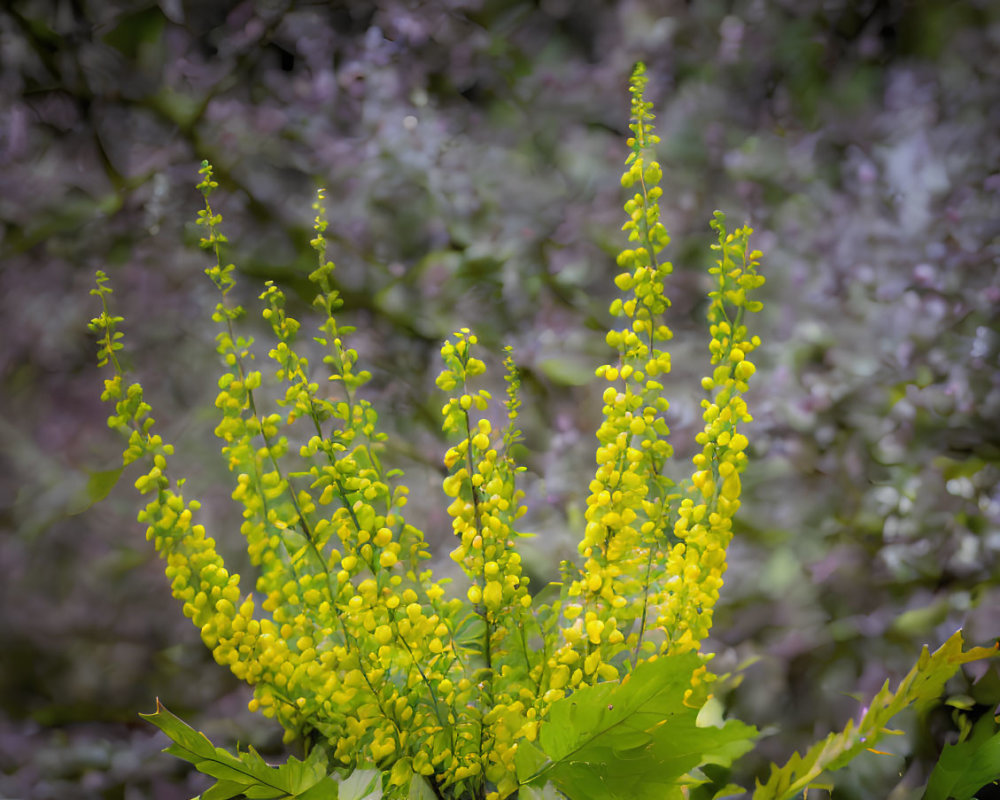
{"points": [[597, 688]]}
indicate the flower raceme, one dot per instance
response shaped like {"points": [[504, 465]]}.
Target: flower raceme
{"points": [[350, 643]]}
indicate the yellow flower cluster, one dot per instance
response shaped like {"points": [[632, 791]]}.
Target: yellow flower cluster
{"points": [[628, 505], [211, 597], [349, 642], [704, 526], [653, 557], [484, 509]]}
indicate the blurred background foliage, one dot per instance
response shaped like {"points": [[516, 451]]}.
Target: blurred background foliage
{"points": [[471, 150]]}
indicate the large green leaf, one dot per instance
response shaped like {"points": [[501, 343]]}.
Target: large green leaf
{"points": [[968, 766], [632, 740], [246, 774]]}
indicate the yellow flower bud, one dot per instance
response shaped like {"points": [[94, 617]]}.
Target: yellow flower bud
{"points": [[493, 595], [744, 369], [560, 677]]}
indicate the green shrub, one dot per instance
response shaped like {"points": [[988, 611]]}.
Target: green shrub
{"points": [[594, 687]]}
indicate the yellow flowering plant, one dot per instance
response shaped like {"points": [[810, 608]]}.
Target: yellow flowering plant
{"points": [[595, 688]]}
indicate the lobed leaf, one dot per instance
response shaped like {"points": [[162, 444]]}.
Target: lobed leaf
{"points": [[635, 739], [247, 774]]}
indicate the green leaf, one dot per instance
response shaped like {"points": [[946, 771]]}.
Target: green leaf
{"points": [[261, 792], [968, 766], [632, 740], [326, 790], [530, 762], [921, 621], [362, 784], [305, 775], [566, 371], [420, 789], [218, 769], [730, 790], [223, 790], [99, 485], [547, 792], [135, 34], [247, 773], [184, 736], [921, 686]]}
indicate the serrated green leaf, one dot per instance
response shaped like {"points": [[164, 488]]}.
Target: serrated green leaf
{"points": [[921, 686], [247, 773], [632, 740], [186, 738], [968, 766]]}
